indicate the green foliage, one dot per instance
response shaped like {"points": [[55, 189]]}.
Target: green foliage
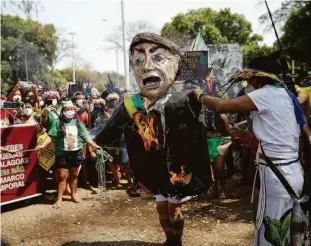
{"points": [[253, 50], [280, 15], [216, 27], [26, 43], [276, 231], [98, 79], [297, 35]]}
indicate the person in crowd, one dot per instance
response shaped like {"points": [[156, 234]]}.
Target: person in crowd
{"points": [[27, 114], [3, 96], [217, 125], [40, 103], [244, 140], [68, 134], [82, 108], [123, 161], [99, 114], [15, 93], [31, 96], [111, 97], [304, 98], [7, 115], [52, 108], [43, 174], [276, 124]]}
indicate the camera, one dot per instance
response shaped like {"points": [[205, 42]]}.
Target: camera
{"points": [[9, 105], [85, 103], [51, 102]]}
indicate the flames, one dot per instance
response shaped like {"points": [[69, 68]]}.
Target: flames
{"points": [[146, 130], [177, 177]]}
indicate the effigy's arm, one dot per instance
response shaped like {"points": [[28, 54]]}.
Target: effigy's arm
{"points": [[113, 128]]}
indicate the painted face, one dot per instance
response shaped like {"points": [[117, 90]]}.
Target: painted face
{"points": [[155, 69]]}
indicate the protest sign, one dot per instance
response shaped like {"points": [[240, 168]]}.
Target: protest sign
{"points": [[19, 177], [46, 156], [194, 66]]}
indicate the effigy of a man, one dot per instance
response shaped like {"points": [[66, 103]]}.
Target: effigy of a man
{"points": [[166, 144]]}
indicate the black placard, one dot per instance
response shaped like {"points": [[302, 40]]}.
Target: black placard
{"points": [[194, 66]]}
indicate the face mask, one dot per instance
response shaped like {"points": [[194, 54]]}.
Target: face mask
{"points": [[27, 111], [41, 103], [17, 98], [80, 102], [69, 114]]}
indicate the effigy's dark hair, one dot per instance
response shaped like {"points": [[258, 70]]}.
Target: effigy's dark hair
{"points": [[149, 37]]}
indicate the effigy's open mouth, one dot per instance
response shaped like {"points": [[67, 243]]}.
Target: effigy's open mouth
{"points": [[152, 82]]}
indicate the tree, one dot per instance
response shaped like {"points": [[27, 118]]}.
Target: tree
{"points": [[280, 15], [215, 27], [253, 50], [133, 28], [297, 36], [64, 47], [26, 6], [26, 46], [86, 73]]}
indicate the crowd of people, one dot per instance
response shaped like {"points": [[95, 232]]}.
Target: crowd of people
{"points": [[67, 118], [178, 144]]}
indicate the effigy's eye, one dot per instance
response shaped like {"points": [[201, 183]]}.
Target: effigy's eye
{"points": [[138, 61], [157, 57]]}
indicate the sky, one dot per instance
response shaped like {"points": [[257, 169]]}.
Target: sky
{"points": [[85, 19]]}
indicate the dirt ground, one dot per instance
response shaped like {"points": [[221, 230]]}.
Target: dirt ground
{"points": [[113, 219]]}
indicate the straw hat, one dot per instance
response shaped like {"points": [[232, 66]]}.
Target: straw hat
{"points": [[267, 67]]}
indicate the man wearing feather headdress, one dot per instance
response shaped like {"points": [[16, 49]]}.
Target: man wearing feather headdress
{"points": [[165, 141]]}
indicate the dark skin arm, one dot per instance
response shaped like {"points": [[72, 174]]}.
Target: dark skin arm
{"points": [[18, 86], [234, 105]]}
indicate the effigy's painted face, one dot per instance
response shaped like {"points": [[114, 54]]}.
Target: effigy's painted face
{"points": [[155, 69]]}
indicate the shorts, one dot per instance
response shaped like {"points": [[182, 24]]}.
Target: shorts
{"points": [[69, 159], [161, 198], [213, 143]]}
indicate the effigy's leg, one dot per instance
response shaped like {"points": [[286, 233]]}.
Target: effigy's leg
{"points": [[177, 223], [162, 209]]}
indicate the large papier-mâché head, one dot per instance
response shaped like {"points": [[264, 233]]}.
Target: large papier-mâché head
{"points": [[155, 62]]}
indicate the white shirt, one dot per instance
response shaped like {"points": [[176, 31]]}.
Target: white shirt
{"points": [[274, 124]]}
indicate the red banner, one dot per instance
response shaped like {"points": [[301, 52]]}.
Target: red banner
{"points": [[18, 162]]}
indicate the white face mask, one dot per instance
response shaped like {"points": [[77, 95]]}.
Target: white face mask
{"points": [[69, 114], [27, 111], [17, 98], [80, 102]]}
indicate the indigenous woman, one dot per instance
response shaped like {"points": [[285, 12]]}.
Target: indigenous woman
{"points": [[69, 134], [277, 119]]}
